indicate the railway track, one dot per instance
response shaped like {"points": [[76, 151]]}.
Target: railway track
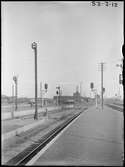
{"points": [[119, 104], [115, 107], [25, 156]]}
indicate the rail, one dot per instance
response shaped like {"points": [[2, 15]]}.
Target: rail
{"points": [[115, 107], [26, 155]]}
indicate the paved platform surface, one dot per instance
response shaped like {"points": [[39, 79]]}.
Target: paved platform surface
{"points": [[95, 138]]}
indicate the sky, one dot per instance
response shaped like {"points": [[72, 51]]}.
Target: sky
{"points": [[73, 38]]}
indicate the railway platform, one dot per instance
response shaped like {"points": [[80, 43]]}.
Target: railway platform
{"points": [[95, 138]]}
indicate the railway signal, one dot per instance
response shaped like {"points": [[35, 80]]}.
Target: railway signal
{"points": [[95, 93], [120, 78], [59, 93], [91, 85], [15, 80], [12, 113], [103, 90], [46, 87]]}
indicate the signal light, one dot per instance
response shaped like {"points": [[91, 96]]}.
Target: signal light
{"points": [[120, 78], [46, 86], [103, 90], [15, 79], [91, 85]]}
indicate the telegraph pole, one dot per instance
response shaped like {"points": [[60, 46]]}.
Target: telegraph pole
{"points": [[34, 46]]}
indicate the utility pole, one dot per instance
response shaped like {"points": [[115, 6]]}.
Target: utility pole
{"points": [[34, 46]]}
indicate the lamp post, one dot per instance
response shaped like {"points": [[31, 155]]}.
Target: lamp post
{"points": [[34, 46]]}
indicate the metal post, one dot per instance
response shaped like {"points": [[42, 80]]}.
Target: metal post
{"points": [[46, 108], [58, 87], [12, 101], [16, 94], [34, 46], [102, 85], [81, 89], [57, 100], [59, 95], [41, 92], [96, 100], [36, 113]]}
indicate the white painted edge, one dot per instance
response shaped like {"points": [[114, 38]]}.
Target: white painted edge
{"points": [[37, 156]]}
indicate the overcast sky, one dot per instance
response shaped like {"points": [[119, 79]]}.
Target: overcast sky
{"points": [[72, 39]]}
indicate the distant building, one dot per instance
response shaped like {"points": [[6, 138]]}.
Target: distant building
{"points": [[68, 99], [49, 101], [63, 99]]}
